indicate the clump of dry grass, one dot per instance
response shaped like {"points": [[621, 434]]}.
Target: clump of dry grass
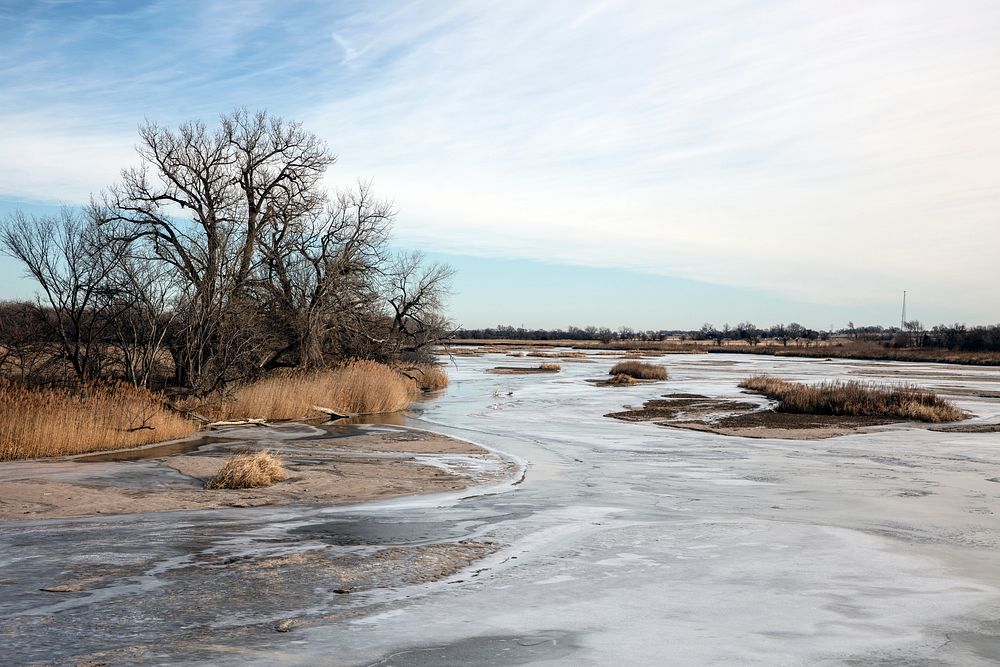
{"points": [[58, 422], [248, 470], [429, 377], [622, 380], [855, 398], [549, 366], [640, 370], [358, 387]]}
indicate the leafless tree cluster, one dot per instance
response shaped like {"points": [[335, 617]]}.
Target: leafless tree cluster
{"points": [[219, 257]]}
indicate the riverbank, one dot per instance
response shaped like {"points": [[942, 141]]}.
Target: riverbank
{"points": [[330, 465], [830, 349]]}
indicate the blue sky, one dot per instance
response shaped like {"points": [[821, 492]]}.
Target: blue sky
{"points": [[655, 164]]}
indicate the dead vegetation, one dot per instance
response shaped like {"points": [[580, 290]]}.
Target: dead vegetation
{"points": [[39, 422], [358, 387], [741, 418], [857, 399], [550, 367], [639, 370], [36, 422], [428, 377], [248, 470]]}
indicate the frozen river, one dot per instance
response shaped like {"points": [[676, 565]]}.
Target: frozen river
{"points": [[625, 544]]}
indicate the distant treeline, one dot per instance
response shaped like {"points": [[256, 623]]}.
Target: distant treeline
{"points": [[952, 337]]}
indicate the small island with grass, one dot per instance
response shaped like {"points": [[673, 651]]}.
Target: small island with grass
{"points": [[544, 367], [631, 372], [802, 412]]}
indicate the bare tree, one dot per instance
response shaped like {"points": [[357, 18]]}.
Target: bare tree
{"points": [[201, 201], [70, 260], [25, 342], [222, 249], [320, 273], [146, 294], [415, 292]]}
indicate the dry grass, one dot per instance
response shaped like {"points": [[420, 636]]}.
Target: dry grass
{"points": [[55, 422], [549, 366], [358, 387], [855, 399], [622, 380], [875, 351], [429, 377], [640, 370], [248, 470]]}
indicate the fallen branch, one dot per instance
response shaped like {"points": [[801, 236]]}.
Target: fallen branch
{"points": [[333, 414], [240, 422]]}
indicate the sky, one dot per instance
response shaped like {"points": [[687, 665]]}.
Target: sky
{"points": [[652, 164]]}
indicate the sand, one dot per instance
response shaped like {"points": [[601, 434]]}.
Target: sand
{"points": [[321, 470]]}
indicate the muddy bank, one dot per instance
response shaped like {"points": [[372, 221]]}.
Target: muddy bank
{"points": [[335, 466], [613, 382], [743, 418]]}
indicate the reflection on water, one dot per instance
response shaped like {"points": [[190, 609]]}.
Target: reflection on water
{"points": [[385, 418], [169, 449]]}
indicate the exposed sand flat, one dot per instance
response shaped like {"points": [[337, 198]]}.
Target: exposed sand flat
{"points": [[321, 470]]}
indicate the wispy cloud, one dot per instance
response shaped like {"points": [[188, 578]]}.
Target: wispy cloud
{"points": [[829, 153]]}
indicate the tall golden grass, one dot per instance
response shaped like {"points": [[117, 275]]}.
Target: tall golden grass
{"points": [[429, 377], [248, 470], [855, 399], [549, 366], [57, 422], [640, 370], [357, 387]]}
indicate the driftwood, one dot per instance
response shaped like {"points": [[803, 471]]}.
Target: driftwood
{"points": [[238, 422], [333, 414]]}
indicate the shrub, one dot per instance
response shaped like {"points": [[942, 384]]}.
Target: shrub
{"points": [[248, 470], [56, 422], [855, 398], [640, 370]]}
